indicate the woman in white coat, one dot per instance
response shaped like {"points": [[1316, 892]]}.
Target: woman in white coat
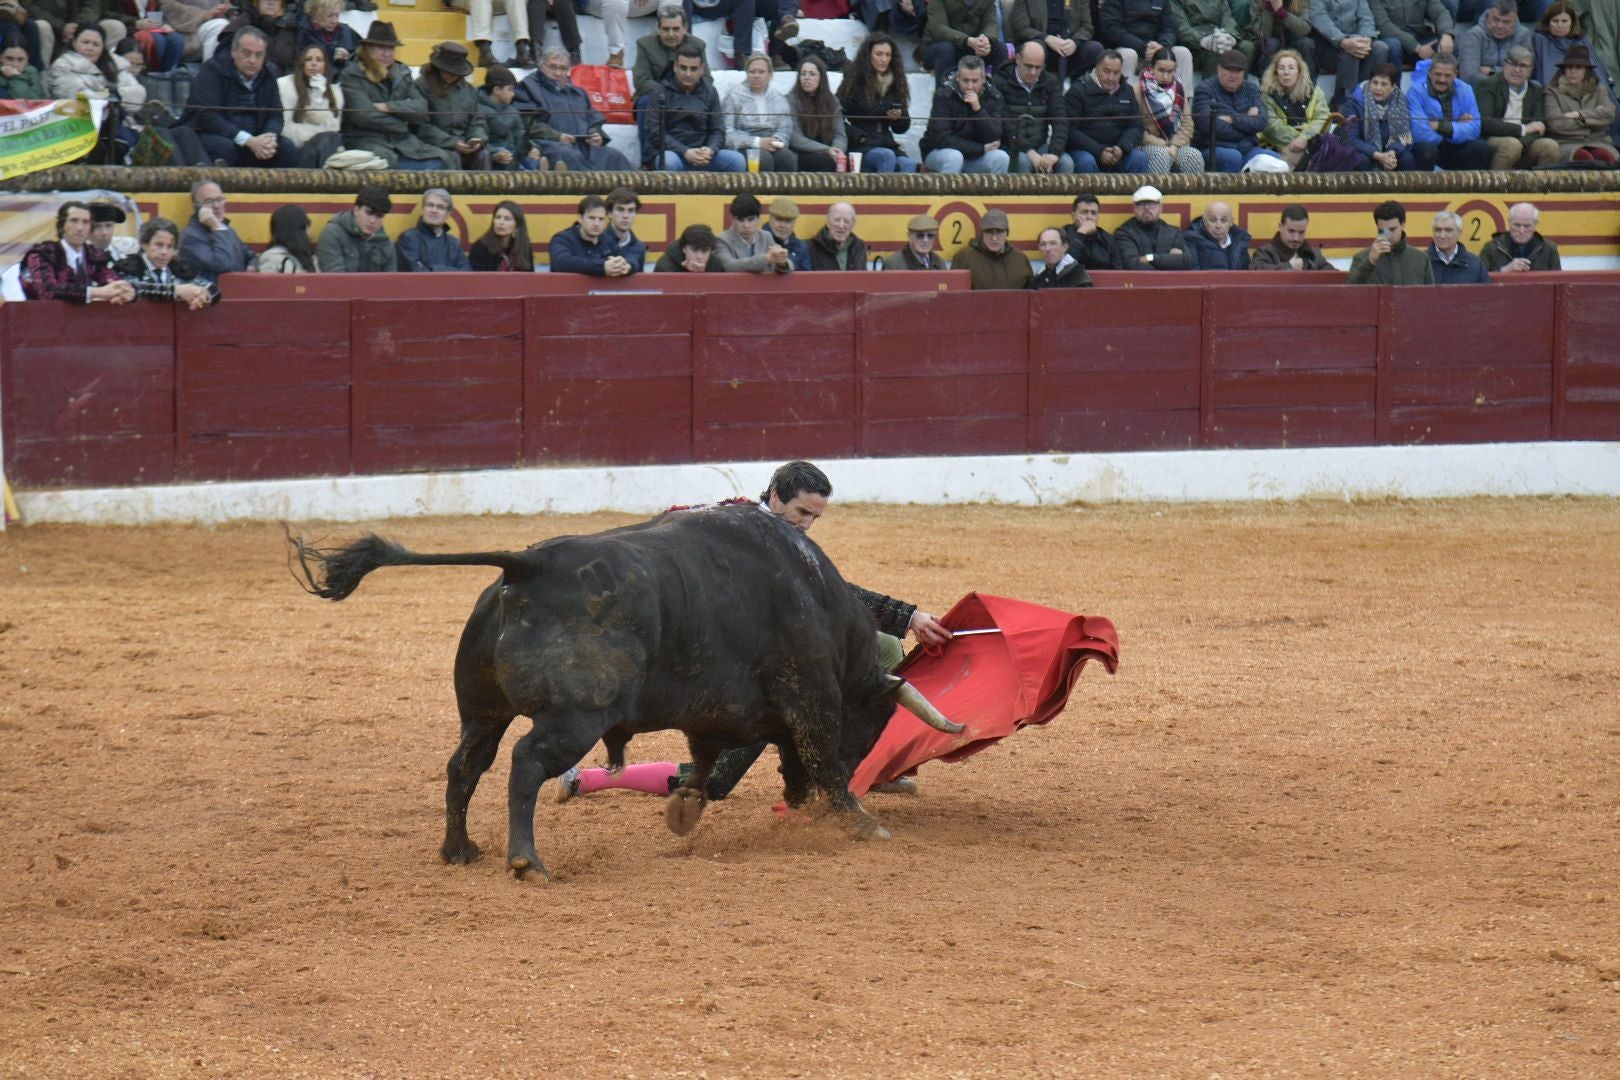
{"points": [[89, 69], [312, 108]]}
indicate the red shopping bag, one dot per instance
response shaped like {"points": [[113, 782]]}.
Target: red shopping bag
{"points": [[609, 90]]}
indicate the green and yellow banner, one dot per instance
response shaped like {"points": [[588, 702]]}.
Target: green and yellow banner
{"points": [[37, 135]]}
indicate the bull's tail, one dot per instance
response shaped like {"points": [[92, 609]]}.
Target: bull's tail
{"points": [[334, 573]]}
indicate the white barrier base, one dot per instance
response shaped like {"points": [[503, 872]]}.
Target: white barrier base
{"points": [[1410, 472]]}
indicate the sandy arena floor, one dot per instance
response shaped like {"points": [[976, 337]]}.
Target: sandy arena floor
{"points": [[1351, 807]]}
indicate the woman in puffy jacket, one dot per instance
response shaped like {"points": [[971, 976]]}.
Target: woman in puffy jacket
{"points": [[89, 69], [1580, 110], [1295, 108]]}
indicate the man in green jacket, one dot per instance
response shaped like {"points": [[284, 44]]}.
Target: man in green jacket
{"points": [[992, 261], [1521, 247], [1390, 260], [354, 241], [958, 28], [1208, 28], [655, 53]]}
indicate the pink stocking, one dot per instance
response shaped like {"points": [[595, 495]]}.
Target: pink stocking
{"points": [[652, 777]]}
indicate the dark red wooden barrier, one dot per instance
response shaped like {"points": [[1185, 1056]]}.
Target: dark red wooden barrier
{"points": [[432, 287], [1586, 370]]}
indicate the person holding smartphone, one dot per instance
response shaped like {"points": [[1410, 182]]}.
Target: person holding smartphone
{"points": [[1390, 260], [454, 125]]}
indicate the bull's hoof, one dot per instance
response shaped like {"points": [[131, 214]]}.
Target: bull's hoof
{"points": [[683, 809], [525, 869], [459, 854], [868, 828]]}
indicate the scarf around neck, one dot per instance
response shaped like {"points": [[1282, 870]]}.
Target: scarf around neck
{"points": [[1392, 112], [1164, 105]]}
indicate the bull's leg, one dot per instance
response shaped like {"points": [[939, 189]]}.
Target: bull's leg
{"points": [[815, 737], [686, 803], [614, 742], [552, 747], [480, 740], [796, 784]]}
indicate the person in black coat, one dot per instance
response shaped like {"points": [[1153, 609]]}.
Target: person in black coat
{"points": [[1062, 270], [1105, 121], [1088, 241], [235, 106], [1452, 263]]}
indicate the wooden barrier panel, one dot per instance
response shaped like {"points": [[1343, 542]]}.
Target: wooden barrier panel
{"points": [[88, 393], [1114, 370], [1289, 365], [774, 377], [261, 395], [944, 374], [1591, 362], [437, 386], [608, 382], [437, 288], [1466, 367]]}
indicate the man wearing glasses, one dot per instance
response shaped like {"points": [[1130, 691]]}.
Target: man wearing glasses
{"points": [[209, 243], [1512, 115], [431, 245], [562, 121], [1033, 97], [922, 232]]}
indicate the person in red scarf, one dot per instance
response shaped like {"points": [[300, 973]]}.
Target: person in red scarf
{"points": [[1167, 123]]}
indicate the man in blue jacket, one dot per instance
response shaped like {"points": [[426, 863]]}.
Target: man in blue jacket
{"points": [[431, 245], [1452, 263], [1217, 244], [1227, 115], [585, 246], [680, 120], [235, 107], [623, 205], [1445, 118], [562, 121], [784, 218]]}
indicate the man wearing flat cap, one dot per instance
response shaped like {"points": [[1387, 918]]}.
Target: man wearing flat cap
{"points": [[784, 219], [1227, 115], [354, 241], [922, 234], [455, 124], [991, 260], [1145, 242]]}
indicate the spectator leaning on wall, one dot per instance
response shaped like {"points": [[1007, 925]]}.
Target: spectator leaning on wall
{"points": [[354, 241]]}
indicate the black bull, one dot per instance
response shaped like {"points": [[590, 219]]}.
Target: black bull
{"points": [[725, 623]]}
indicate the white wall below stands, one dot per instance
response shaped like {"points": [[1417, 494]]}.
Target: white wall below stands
{"points": [[1412, 472]]}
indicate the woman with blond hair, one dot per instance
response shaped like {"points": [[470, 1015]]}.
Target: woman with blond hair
{"points": [[1580, 110], [383, 107], [758, 118], [1295, 108]]}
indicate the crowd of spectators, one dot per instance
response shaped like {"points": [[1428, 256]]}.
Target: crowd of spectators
{"points": [[85, 263], [1022, 86]]}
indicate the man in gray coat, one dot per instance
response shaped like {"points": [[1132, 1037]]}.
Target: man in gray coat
{"points": [[1482, 50], [354, 241]]}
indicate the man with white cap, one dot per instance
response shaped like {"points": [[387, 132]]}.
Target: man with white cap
{"points": [[1145, 242]]}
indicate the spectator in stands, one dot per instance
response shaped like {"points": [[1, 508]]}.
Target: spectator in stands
{"points": [[1449, 261], [157, 274], [1390, 260], [562, 121], [1139, 30], [290, 251], [957, 29], [62, 20], [1413, 30], [1347, 43], [1037, 128], [818, 136], [680, 120], [904, 17], [323, 28], [454, 124], [1294, 107], [311, 109], [758, 119], [1560, 28], [382, 106], [567, 19], [160, 45], [623, 205], [1062, 29], [616, 15], [431, 245], [505, 246], [1091, 244], [235, 107], [993, 262], [877, 106], [1228, 115], [778, 15], [68, 268], [836, 247], [280, 31], [1512, 114], [1209, 29], [1282, 24], [1145, 242], [19, 80], [1580, 110], [655, 53], [199, 22], [1445, 118], [922, 232], [1377, 124], [746, 247], [586, 247], [1105, 121], [967, 127], [509, 144], [89, 68], [1483, 48], [784, 218], [1521, 248], [208, 242], [1288, 249], [693, 253], [1060, 270], [1167, 122], [1215, 243], [354, 241], [481, 23]]}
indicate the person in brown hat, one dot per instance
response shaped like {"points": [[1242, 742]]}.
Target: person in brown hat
{"points": [[382, 103], [992, 261], [1580, 110], [922, 233], [783, 221], [455, 124]]}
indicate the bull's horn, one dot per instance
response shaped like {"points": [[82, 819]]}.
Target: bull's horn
{"points": [[923, 709]]}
